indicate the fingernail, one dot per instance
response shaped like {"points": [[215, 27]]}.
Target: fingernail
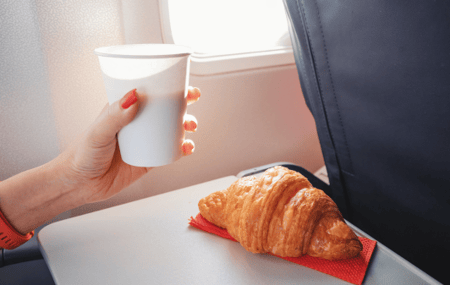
{"points": [[130, 99], [194, 95], [188, 147], [190, 126]]}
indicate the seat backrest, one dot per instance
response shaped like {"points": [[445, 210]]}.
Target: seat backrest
{"points": [[376, 77]]}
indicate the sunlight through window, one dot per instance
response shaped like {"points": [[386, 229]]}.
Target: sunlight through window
{"points": [[227, 27]]}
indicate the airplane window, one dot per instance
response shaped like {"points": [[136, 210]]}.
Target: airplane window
{"points": [[228, 27]]}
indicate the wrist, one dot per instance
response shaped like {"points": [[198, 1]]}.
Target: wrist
{"points": [[30, 198], [61, 173], [10, 238]]}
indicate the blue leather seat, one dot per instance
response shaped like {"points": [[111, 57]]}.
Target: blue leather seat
{"points": [[376, 77]]}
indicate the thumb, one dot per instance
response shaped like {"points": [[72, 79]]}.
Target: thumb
{"points": [[114, 117]]}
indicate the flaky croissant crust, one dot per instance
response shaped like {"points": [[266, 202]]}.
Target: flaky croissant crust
{"points": [[281, 213]]}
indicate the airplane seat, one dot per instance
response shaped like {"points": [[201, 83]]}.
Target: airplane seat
{"points": [[376, 77]]}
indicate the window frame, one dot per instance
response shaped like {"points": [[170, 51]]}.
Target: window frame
{"points": [[212, 64]]}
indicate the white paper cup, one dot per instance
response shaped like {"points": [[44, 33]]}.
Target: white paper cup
{"points": [[160, 74]]}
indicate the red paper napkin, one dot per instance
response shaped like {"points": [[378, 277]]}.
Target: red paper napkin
{"points": [[351, 270]]}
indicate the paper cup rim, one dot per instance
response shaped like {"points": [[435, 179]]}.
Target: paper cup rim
{"points": [[144, 51]]}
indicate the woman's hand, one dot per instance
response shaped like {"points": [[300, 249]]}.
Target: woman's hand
{"points": [[93, 163]]}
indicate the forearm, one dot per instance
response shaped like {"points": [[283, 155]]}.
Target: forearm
{"points": [[29, 199]]}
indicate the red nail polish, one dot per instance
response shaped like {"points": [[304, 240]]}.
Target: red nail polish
{"points": [[190, 125], [188, 148], [130, 99]]}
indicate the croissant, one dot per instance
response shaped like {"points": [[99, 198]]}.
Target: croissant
{"points": [[281, 213]]}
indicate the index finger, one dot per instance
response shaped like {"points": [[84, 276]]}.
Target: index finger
{"points": [[193, 95]]}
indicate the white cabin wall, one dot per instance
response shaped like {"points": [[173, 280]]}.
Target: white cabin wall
{"points": [[246, 119], [28, 135]]}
